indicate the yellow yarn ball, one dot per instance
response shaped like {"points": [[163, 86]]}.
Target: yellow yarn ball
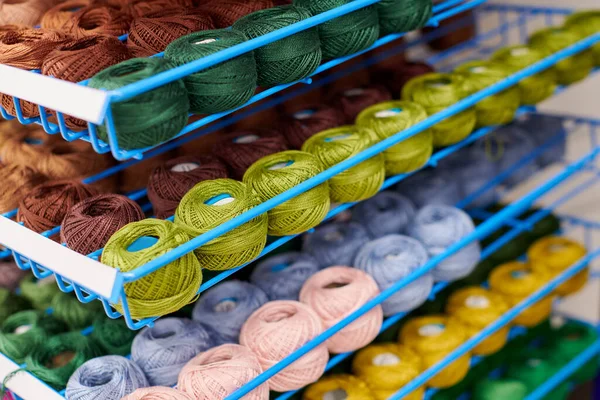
{"points": [[587, 23], [433, 338], [209, 204], [275, 174], [552, 255], [335, 145], [386, 368], [515, 281], [475, 308], [435, 92], [345, 386], [167, 289], [388, 118], [498, 109]]}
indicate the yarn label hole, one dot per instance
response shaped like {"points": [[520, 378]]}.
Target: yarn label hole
{"points": [[220, 200], [142, 243], [438, 83], [34, 141], [337, 394], [519, 51], [335, 285], [22, 329], [555, 248], [534, 362], [388, 113], [185, 167], [279, 267], [205, 41], [477, 302], [304, 114], [478, 70], [335, 138], [520, 274], [245, 139], [280, 315], [62, 359], [226, 305], [386, 359], [279, 165], [431, 330], [354, 92]]}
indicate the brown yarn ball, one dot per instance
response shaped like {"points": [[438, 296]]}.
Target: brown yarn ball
{"points": [[314, 96], [169, 182], [136, 177], [239, 150], [4, 29], [90, 223], [17, 181], [357, 78], [146, 8], [25, 12], [352, 101], [16, 138], [57, 16], [148, 36], [80, 59], [260, 119], [46, 205], [305, 122], [225, 12], [98, 20]]}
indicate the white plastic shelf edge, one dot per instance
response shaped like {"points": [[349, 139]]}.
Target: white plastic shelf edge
{"points": [[25, 385]]}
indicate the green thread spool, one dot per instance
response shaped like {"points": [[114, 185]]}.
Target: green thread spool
{"points": [[22, 332], [149, 118], [347, 34], [533, 370], [587, 23], [167, 289], [500, 108], [535, 88], [569, 341], [286, 60], [39, 292], [11, 303], [209, 204], [333, 146], [222, 87], [113, 336], [56, 358], [276, 173], [387, 119], [72, 312], [500, 389], [572, 69], [435, 92], [397, 16]]}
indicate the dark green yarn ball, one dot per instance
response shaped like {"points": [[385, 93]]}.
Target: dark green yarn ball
{"points": [[10, 303], [569, 341], [222, 87], [286, 60], [347, 34], [113, 336], [397, 16], [149, 118], [545, 227], [500, 389]]}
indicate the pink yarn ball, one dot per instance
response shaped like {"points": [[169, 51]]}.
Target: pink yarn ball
{"points": [[276, 330], [220, 371], [336, 292], [157, 393]]}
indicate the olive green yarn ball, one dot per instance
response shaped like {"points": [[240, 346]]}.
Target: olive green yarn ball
{"points": [[279, 172], [397, 16], [335, 145], [587, 23], [500, 389], [165, 290], [391, 117], [147, 119], [347, 34], [222, 87], [72, 312], [39, 292], [211, 203], [436, 92], [113, 336], [288, 59], [11, 303]]}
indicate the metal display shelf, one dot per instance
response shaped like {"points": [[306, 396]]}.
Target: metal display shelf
{"points": [[93, 105]]}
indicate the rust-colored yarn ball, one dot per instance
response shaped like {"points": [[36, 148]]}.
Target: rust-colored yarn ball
{"points": [[169, 182], [46, 205], [314, 96], [17, 181], [305, 122], [17, 138], [258, 119], [136, 177], [98, 19], [357, 78], [352, 101], [57, 16], [149, 8], [90, 223], [239, 150], [4, 29], [225, 12], [25, 12], [148, 36]]}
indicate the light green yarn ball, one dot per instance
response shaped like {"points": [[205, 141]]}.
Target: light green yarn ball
{"points": [[587, 23]]}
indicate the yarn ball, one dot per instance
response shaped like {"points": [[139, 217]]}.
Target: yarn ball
{"points": [[220, 88], [276, 330], [225, 12], [240, 149], [164, 349], [10, 304], [149, 118], [136, 176], [392, 117], [281, 276], [335, 145], [431, 186], [303, 122], [388, 260], [336, 243], [57, 16], [489, 389], [336, 292], [533, 369], [435, 92], [403, 73], [165, 290], [336, 386], [587, 23], [98, 19], [23, 12], [384, 214], [439, 227], [106, 378], [285, 60], [396, 16], [352, 101], [570, 340], [113, 335], [90, 223], [275, 174], [387, 367], [72, 312], [209, 204], [170, 181], [218, 372], [17, 181], [11, 275], [46, 205], [227, 306], [157, 8], [347, 34], [540, 127], [39, 292], [157, 393]]}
